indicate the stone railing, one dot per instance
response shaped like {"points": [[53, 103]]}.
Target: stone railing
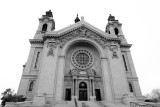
{"points": [[133, 104]]}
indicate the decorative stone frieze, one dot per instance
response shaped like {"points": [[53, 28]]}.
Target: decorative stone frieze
{"points": [[77, 72], [82, 32]]}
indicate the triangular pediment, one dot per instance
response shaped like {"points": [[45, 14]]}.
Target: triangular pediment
{"points": [[81, 29], [76, 26]]}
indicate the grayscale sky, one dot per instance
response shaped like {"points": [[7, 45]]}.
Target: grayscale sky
{"points": [[140, 24]]}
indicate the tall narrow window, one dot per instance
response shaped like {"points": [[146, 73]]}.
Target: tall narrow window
{"points": [[125, 64], [44, 28], [116, 31], [31, 86], [36, 62], [130, 87]]}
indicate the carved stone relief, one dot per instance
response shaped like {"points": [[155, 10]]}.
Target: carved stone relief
{"points": [[82, 32], [89, 72], [98, 83], [74, 72], [52, 46], [114, 49]]}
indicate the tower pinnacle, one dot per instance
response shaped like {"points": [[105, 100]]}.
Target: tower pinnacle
{"points": [[77, 19]]}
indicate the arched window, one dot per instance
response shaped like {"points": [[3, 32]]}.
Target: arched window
{"points": [[31, 86], [131, 87], [116, 31], [44, 28]]}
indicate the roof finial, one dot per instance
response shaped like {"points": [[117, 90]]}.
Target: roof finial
{"points": [[77, 19], [82, 18]]}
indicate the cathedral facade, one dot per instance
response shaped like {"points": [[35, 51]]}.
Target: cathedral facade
{"points": [[79, 62]]}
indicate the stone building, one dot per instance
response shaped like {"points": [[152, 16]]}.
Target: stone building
{"points": [[79, 63]]}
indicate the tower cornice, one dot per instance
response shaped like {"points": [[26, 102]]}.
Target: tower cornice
{"points": [[122, 45], [35, 41]]}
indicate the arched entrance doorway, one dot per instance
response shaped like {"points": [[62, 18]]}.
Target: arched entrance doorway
{"points": [[83, 91]]}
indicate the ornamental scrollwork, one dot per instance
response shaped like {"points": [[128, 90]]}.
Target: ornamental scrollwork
{"points": [[114, 49], [51, 47], [91, 72], [83, 32], [74, 72]]}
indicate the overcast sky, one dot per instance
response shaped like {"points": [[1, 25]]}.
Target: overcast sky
{"points": [[140, 24]]}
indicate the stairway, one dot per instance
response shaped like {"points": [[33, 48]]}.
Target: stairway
{"points": [[87, 104]]}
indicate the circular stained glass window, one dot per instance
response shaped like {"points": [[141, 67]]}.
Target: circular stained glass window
{"points": [[82, 59]]}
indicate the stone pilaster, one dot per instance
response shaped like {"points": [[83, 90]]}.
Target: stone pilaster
{"points": [[59, 79], [47, 70], [106, 80]]}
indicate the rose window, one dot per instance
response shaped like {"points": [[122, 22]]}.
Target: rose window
{"points": [[82, 59]]}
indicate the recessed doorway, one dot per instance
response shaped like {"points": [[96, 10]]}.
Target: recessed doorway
{"points": [[83, 91], [68, 94], [98, 94]]}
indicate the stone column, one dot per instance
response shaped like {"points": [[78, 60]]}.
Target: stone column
{"points": [[90, 85], [93, 87], [74, 87], [92, 97]]}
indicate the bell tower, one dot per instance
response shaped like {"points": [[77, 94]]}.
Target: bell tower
{"points": [[114, 28], [46, 23]]}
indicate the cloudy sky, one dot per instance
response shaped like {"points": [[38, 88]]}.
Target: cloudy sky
{"points": [[140, 24]]}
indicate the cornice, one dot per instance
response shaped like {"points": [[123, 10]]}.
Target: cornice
{"points": [[125, 45], [45, 36], [45, 17], [35, 41]]}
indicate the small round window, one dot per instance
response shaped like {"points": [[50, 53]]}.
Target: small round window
{"points": [[82, 59]]}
